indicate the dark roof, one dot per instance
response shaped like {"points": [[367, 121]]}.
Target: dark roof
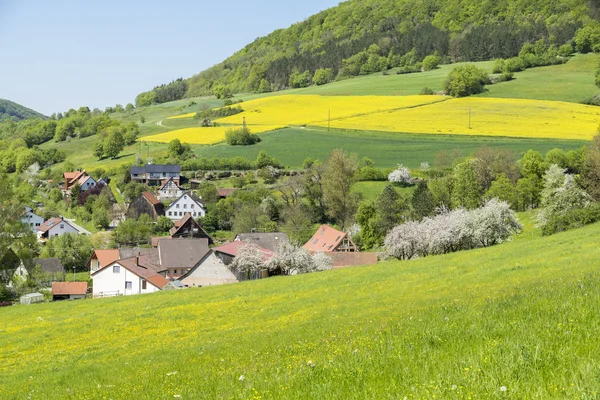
{"points": [[50, 265], [155, 168], [62, 288], [270, 241], [180, 225], [181, 253]]}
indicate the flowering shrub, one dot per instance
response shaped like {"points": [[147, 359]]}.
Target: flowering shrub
{"points": [[400, 175], [452, 231], [291, 259]]}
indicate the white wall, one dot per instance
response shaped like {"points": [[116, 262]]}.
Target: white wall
{"points": [[60, 229], [211, 272], [87, 185], [109, 283], [183, 205], [32, 220], [171, 191]]}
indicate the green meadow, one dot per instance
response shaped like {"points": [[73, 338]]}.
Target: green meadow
{"points": [[515, 321]]}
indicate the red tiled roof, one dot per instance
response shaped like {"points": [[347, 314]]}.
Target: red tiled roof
{"points": [[51, 223], [63, 288], [151, 198], [233, 248], [325, 239], [83, 179], [225, 192], [70, 175], [107, 256]]}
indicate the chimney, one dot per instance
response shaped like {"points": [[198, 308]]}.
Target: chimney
{"points": [[137, 260]]}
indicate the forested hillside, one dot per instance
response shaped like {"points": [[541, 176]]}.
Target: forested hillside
{"points": [[16, 112], [365, 36]]}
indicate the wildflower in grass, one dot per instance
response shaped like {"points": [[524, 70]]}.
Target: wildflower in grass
{"points": [[503, 388], [241, 378], [310, 363]]}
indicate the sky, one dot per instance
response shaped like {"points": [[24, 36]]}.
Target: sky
{"points": [[62, 54]]}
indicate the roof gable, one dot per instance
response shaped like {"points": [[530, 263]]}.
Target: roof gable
{"points": [[325, 239], [185, 196], [151, 198], [140, 267]]}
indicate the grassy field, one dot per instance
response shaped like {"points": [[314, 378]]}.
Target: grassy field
{"points": [[293, 145], [515, 321]]}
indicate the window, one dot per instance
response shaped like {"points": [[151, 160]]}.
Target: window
{"points": [[192, 206], [62, 226], [185, 206], [128, 285], [143, 284], [37, 224], [116, 269], [174, 272], [176, 205], [170, 213], [194, 214], [180, 214]]}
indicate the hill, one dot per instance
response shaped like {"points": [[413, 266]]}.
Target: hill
{"points": [[517, 320], [359, 37], [16, 112]]}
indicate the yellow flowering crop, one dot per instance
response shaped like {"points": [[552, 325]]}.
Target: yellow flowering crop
{"points": [[201, 135], [310, 109], [188, 115], [488, 116]]}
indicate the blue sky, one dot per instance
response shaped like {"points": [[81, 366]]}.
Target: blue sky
{"points": [[56, 55]]}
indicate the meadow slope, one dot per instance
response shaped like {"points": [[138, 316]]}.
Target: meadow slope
{"points": [[518, 320]]}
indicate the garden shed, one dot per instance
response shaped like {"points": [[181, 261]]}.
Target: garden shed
{"points": [[32, 298]]}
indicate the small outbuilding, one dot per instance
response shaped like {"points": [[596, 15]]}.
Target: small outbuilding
{"points": [[32, 298], [69, 290]]}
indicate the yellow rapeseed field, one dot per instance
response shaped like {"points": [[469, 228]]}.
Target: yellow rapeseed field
{"points": [[305, 110], [201, 135], [188, 115], [488, 116]]}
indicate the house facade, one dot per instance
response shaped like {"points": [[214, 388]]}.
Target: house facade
{"points": [[210, 271], [31, 219], [80, 178], [155, 174], [186, 203], [188, 227], [55, 227], [127, 277], [169, 190], [145, 203]]}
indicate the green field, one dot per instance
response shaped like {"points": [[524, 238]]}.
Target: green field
{"points": [[520, 316], [293, 145]]}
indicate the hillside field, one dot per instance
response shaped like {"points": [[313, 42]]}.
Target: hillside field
{"points": [[517, 320]]}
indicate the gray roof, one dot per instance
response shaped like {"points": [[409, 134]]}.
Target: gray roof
{"points": [[155, 168], [270, 241], [181, 253], [50, 265]]}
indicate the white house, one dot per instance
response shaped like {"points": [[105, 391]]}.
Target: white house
{"points": [[55, 227], [86, 182], [135, 275], [210, 271], [169, 190], [31, 219], [186, 203]]}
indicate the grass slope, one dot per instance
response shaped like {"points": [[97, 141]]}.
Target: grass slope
{"points": [[293, 145], [520, 316]]}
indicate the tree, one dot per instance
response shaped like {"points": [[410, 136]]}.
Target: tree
{"points": [[71, 249], [313, 188], [249, 260], [400, 175], [163, 224], [465, 190], [143, 119], [222, 92], [590, 169], [241, 137], [431, 62], [264, 86], [390, 208], [503, 189], [323, 76], [528, 190], [422, 201], [114, 142], [367, 219], [291, 259], [99, 150], [338, 178], [129, 107], [532, 164], [465, 80]]}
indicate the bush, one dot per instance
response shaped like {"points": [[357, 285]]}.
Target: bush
{"points": [[323, 76], [565, 50], [466, 80], [427, 91], [498, 66], [572, 219], [241, 137], [431, 62]]}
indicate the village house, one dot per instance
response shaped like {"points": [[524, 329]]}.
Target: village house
{"points": [[171, 258], [135, 275], [55, 227], [80, 178], [209, 271], [169, 190], [188, 227], [229, 251], [271, 241], [147, 204], [31, 219], [186, 203], [50, 269], [155, 174], [69, 290], [340, 247]]}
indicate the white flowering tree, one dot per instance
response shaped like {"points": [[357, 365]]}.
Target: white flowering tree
{"points": [[291, 259], [400, 175], [249, 260], [560, 195], [451, 231]]}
